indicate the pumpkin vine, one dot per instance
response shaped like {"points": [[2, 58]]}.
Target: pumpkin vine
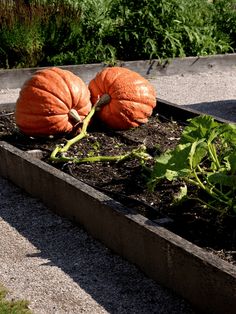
{"points": [[59, 153]]}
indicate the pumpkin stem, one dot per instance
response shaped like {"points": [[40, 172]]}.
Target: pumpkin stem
{"points": [[138, 153], [103, 100], [74, 115]]}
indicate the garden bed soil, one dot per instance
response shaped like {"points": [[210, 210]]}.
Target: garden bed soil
{"points": [[126, 181]]}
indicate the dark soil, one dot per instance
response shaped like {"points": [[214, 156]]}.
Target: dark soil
{"points": [[127, 181]]}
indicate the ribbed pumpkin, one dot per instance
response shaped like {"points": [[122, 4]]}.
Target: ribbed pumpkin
{"points": [[48, 101], [132, 97]]}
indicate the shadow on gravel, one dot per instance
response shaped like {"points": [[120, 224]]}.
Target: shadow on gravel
{"points": [[224, 109], [115, 284]]}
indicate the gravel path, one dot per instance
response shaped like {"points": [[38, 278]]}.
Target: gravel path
{"points": [[209, 92], [57, 266], [192, 89], [8, 96], [186, 89], [60, 269]]}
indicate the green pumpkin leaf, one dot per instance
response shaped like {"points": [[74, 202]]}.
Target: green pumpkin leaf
{"points": [[228, 133], [197, 152], [232, 162], [223, 179], [171, 165], [199, 127], [205, 158]]}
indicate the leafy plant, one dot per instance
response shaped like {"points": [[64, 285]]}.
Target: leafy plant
{"points": [[34, 32], [225, 19], [98, 29], [60, 26], [11, 307], [174, 28], [205, 158], [21, 45], [43, 32]]}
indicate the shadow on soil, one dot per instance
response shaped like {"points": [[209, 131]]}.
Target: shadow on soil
{"points": [[225, 109], [115, 284]]}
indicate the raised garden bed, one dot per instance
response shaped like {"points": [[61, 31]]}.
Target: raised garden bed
{"points": [[135, 227], [178, 253]]}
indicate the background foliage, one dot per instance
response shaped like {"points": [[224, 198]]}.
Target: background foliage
{"points": [[45, 32]]}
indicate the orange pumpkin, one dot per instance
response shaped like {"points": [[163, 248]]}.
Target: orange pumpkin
{"points": [[132, 97], [48, 102]]}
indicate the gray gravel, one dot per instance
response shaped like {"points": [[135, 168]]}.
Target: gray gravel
{"points": [[57, 266], [8, 96], [192, 89], [210, 92]]}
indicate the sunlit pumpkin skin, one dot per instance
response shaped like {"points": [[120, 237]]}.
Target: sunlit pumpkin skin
{"points": [[132, 97], [45, 100]]}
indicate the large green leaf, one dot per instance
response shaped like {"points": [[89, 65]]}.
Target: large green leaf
{"points": [[228, 133], [206, 158], [171, 165], [223, 179], [232, 161], [197, 152], [199, 127]]}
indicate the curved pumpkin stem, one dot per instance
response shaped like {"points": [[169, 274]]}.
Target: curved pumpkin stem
{"points": [[138, 153], [103, 100], [73, 114]]}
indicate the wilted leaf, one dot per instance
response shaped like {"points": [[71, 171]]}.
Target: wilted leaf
{"points": [[181, 194]]}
